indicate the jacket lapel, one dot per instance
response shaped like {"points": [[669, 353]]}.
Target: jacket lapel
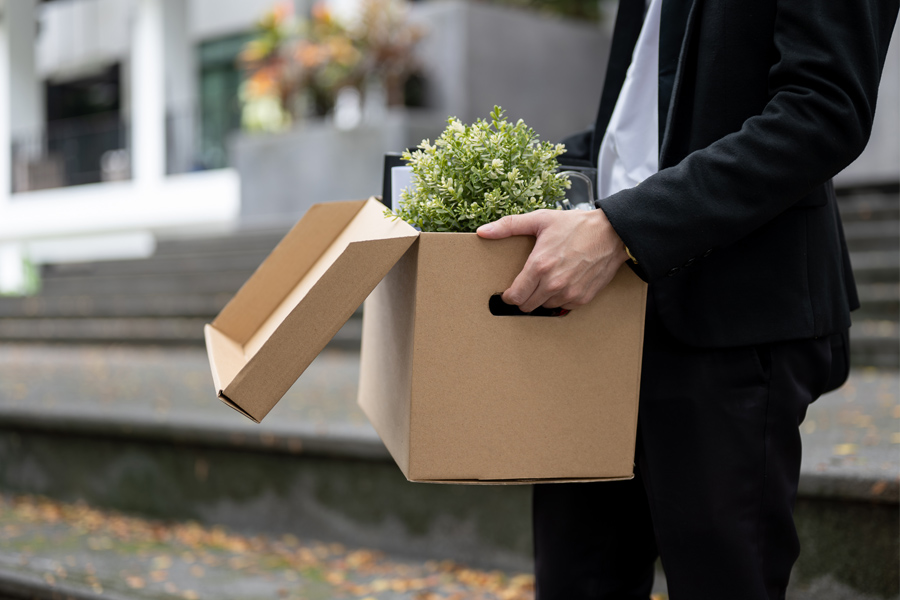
{"points": [[690, 10], [672, 33]]}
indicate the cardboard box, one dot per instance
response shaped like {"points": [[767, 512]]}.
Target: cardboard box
{"points": [[457, 394]]}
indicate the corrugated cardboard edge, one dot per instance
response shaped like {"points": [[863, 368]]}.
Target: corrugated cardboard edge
{"points": [[235, 406], [520, 481], [380, 397], [209, 333], [637, 401]]}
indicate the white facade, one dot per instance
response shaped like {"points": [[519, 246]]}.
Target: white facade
{"points": [[155, 45], [154, 41]]}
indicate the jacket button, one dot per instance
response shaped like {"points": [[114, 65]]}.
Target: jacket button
{"points": [[690, 261], [707, 253], [673, 270]]}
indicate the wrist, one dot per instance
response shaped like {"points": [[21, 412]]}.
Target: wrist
{"points": [[620, 252]]}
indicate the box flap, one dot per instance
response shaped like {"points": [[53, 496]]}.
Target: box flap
{"points": [[298, 298]]}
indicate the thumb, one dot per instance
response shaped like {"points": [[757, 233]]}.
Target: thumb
{"points": [[527, 224]]}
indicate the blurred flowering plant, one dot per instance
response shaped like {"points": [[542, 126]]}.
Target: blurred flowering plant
{"points": [[475, 174], [297, 67]]}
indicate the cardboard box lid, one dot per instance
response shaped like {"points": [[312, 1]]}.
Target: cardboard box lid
{"points": [[298, 298]]}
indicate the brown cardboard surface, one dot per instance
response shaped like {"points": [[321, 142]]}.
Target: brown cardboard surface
{"points": [[387, 360], [460, 395], [298, 298], [520, 481]]}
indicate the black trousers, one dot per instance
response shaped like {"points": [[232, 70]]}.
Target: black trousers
{"points": [[717, 464]]}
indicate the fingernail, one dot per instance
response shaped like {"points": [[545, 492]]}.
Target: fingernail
{"points": [[486, 228]]}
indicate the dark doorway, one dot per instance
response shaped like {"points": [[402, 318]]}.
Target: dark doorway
{"points": [[84, 126]]}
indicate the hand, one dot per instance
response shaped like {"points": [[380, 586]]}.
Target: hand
{"points": [[576, 255]]}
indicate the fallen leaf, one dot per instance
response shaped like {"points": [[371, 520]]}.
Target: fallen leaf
{"points": [[845, 449], [878, 488]]}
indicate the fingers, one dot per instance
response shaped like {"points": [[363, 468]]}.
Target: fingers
{"points": [[577, 296], [527, 224], [569, 299], [535, 286], [574, 257], [521, 292]]}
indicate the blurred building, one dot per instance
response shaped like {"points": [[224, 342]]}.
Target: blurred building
{"points": [[115, 116], [113, 119]]}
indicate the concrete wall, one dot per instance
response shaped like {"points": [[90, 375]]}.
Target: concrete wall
{"points": [[216, 18], [547, 71], [880, 161], [79, 37], [283, 175]]}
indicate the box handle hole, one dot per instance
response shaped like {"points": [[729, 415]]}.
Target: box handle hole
{"points": [[499, 308]]}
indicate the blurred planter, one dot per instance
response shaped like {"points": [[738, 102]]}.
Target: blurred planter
{"points": [[282, 175], [545, 70]]}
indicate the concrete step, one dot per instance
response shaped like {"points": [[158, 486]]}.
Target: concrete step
{"points": [[105, 555], [138, 429], [237, 241], [212, 262], [868, 205], [878, 301], [876, 266], [166, 283], [873, 235], [148, 330], [879, 292], [875, 343], [115, 305]]}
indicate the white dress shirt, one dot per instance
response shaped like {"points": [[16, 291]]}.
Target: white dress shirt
{"points": [[629, 152]]}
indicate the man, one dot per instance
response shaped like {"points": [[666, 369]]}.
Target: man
{"points": [[726, 208]]}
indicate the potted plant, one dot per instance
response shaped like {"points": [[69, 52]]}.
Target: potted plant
{"points": [[475, 174]]}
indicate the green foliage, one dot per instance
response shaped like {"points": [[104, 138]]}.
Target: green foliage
{"points": [[475, 174]]}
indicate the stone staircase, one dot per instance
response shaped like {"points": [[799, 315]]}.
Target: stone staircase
{"points": [[166, 298], [106, 398], [163, 299], [872, 226]]}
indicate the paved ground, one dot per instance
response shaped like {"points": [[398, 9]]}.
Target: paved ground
{"points": [[851, 441], [100, 554], [164, 385], [855, 431], [851, 437]]}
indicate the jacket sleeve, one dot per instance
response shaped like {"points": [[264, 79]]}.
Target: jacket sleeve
{"points": [[822, 90]]}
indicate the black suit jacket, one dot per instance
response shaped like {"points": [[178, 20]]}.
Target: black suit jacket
{"points": [[738, 233]]}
